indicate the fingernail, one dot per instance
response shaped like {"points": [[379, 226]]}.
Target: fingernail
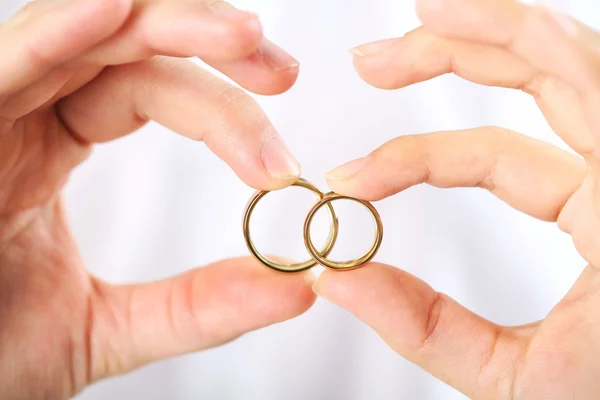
{"points": [[315, 288], [276, 57], [347, 170], [564, 21], [310, 278], [278, 160], [373, 48]]}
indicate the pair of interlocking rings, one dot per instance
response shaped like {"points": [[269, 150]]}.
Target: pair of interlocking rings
{"points": [[318, 256]]}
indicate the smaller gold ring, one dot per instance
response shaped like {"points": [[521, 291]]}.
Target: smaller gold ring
{"points": [[346, 265], [296, 267]]}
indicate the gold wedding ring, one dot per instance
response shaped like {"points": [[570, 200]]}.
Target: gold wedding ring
{"points": [[333, 232], [318, 256], [322, 258]]}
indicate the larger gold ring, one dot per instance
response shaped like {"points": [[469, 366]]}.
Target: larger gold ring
{"points": [[296, 267], [322, 258]]}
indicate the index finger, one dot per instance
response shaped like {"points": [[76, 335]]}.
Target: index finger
{"points": [[190, 101], [531, 176]]}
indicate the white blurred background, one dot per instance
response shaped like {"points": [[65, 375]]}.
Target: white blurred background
{"points": [[153, 204]]}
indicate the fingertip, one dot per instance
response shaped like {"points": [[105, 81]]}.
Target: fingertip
{"points": [[309, 297], [270, 70], [380, 295], [279, 162], [260, 296], [367, 67], [345, 288], [322, 287], [282, 80], [310, 278], [357, 187], [347, 170], [261, 180], [355, 179], [266, 81], [258, 178], [256, 76], [247, 141], [382, 70], [290, 294]]}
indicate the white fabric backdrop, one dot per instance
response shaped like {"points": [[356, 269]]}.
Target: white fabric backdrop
{"points": [[141, 209]]}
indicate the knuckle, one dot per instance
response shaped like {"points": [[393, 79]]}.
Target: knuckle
{"points": [[498, 131], [232, 100], [232, 112], [431, 320], [238, 38], [499, 135], [535, 84], [37, 55], [394, 148]]}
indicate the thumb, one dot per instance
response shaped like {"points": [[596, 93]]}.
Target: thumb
{"points": [[138, 324], [430, 329]]}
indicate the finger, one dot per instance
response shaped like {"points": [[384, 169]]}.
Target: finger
{"points": [[136, 325], [191, 102], [269, 71], [430, 329], [530, 175], [32, 97], [47, 33], [182, 29], [526, 31], [226, 38], [422, 55]]}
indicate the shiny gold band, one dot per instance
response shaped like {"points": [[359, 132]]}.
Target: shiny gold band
{"points": [[347, 265], [333, 232], [318, 256]]}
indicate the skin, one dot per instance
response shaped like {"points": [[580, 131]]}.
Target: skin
{"points": [[497, 43], [75, 73], [78, 73]]}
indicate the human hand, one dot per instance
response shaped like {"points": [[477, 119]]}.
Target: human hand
{"points": [[557, 60], [75, 73]]}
